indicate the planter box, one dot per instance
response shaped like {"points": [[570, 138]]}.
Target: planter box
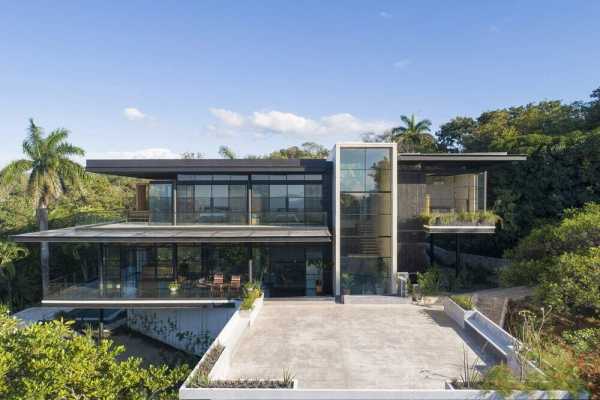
{"points": [[456, 312]]}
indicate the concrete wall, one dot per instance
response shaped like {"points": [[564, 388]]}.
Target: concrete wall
{"points": [[187, 329]]}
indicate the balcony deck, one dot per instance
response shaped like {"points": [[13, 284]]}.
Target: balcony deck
{"points": [[138, 294]]}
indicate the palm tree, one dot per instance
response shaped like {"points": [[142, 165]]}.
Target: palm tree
{"points": [[414, 136], [48, 170]]}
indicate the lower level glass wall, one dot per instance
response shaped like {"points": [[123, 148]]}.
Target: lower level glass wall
{"points": [[287, 271], [197, 271]]}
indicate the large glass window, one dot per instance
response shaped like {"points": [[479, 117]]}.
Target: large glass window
{"points": [[212, 203], [365, 219], [295, 203], [161, 202]]}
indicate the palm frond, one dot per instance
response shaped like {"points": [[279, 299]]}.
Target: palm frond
{"points": [[56, 137], [67, 149], [14, 171]]}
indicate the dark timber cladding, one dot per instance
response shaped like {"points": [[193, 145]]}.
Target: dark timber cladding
{"points": [[168, 169]]}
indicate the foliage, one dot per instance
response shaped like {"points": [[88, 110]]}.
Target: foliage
{"points": [[464, 301], [583, 340], [412, 137], [536, 255], [48, 167], [461, 218], [227, 152], [251, 291], [558, 365], [563, 259], [430, 281], [572, 284], [50, 360], [306, 150]]}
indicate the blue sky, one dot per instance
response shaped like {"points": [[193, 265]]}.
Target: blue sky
{"points": [[139, 79]]}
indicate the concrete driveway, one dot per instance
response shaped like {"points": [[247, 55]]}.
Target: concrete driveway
{"points": [[354, 346]]}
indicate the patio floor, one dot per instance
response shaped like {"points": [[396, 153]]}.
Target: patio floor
{"points": [[354, 346]]}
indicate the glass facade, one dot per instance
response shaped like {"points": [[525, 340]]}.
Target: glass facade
{"points": [[160, 202], [365, 219], [212, 203], [130, 271], [293, 270], [282, 199], [292, 200]]}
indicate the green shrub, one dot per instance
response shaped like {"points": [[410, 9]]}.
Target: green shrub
{"points": [[573, 284], [430, 281], [583, 340], [460, 218], [536, 254], [466, 302], [51, 361], [252, 291]]}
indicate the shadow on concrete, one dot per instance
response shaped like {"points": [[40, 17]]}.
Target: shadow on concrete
{"points": [[474, 342]]}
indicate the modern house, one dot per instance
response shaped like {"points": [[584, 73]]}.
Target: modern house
{"points": [[301, 227]]}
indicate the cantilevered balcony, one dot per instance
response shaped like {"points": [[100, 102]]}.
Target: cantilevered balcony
{"points": [[457, 204]]}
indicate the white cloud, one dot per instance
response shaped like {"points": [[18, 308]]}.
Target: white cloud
{"points": [[262, 123], [150, 153], [401, 64], [283, 122], [385, 14], [228, 117], [133, 114]]}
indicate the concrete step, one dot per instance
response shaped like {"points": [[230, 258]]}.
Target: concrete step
{"points": [[375, 299]]}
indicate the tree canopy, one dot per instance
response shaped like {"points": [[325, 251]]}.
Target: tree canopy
{"points": [[51, 361]]}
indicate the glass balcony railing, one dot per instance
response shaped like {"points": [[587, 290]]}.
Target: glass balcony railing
{"points": [[136, 287]]}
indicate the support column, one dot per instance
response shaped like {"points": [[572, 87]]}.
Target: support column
{"points": [[101, 268], [457, 255], [101, 326], [174, 260], [431, 249], [174, 200]]}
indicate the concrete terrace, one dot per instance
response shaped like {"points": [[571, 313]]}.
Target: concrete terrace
{"points": [[353, 346]]}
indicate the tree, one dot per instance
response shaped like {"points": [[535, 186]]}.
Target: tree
{"points": [[51, 361], [190, 155], [227, 152], [49, 170], [452, 135], [306, 150], [9, 253], [413, 136]]}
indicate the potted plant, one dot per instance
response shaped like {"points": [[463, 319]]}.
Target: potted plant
{"points": [[174, 286], [346, 283]]}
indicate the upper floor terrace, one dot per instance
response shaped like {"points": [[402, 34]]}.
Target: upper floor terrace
{"points": [[225, 192]]}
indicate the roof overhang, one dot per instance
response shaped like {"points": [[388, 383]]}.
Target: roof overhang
{"points": [[168, 169], [456, 163], [140, 233]]}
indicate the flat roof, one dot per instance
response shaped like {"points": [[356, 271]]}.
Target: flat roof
{"points": [[461, 157], [168, 168], [144, 233]]}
